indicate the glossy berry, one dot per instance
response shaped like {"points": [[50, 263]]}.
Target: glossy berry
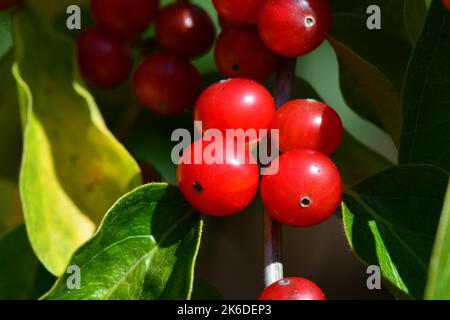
{"points": [[308, 124], [6, 4], [293, 28], [185, 29], [241, 53], [235, 104], [293, 289], [103, 60], [124, 18], [167, 84], [306, 190], [223, 188], [238, 11]]}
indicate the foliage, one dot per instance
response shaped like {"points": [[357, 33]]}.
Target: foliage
{"points": [[62, 170]]}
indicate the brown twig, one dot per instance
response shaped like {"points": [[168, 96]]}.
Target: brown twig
{"points": [[273, 266]]}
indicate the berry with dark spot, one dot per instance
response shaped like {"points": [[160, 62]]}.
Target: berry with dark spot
{"points": [[220, 186], [240, 53], [305, 191]]}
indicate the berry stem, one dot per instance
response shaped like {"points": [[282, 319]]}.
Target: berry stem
{"points": [[284, 82], [273, 266]]}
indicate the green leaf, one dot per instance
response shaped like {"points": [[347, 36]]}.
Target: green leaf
{"points": [[415, 16], [145, 249], [426, 98], [73, 169], [372, 77], [438, 285], [205, 291], [21, 274], [356, 161], [356, 97], [391, 219]]}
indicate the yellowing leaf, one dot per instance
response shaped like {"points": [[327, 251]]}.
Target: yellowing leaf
{"points": [[73, 169]]}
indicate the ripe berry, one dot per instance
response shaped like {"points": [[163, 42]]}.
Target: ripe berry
{"points": [[308, 124], [293, 289], [293, 28], [238, 11], [124, 18], [306, 190], [223, 188], [167, 84], [185, 29], [103, 60], [241, 53], [446, 4], [6, 4], [235, 104]]}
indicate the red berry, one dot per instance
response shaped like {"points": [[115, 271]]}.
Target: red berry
{"points": [[241, 53], [293, 28], [6, 4], [124, 18], [238, 11], [446, 4], [306, 190], [218, 189], [235, 104], [167, 84], [103, 60], [293, 289], [308, 124], [185, 29]]}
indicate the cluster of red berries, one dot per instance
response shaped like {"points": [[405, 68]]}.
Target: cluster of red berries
{"points": [[165, 82], [248, 46], [256, 31], [306, 187]]}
